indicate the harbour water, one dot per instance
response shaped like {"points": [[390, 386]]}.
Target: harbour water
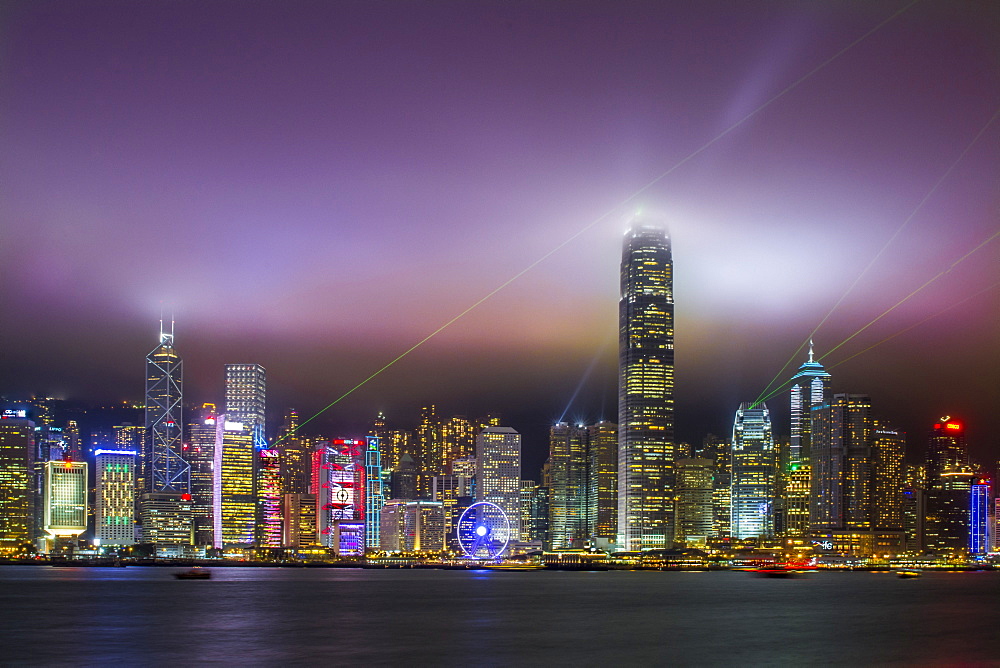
{"points": [[291, 617]]}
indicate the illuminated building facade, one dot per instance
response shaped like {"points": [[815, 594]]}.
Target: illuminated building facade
{"points": [[568, 507], [459, 438], [949, 481], [430, 454], [719, 450], [64, 499], [296, 456], [128, 436], [498, 476], [857, 473], [948, 521], [412, 526], [114, 520], [753, 470], [602, 482], [200, 454], [796, 499], [17, 496], [841, 463], [646, 392], [74, 447], [914, 512], [167, 521], [887, 476], [404, 478], [374, 496], [979, 517], [448, 489], [694, 517], [234, 511], [166, 468], [810, 387], [246, 393], [299, 521], [339, 475], [268, 525]]}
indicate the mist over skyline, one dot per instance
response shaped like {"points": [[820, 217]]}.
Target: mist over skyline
{"points": [[317, 187]]}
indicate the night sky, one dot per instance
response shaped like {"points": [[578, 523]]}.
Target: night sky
{"points": [[318, 186]]}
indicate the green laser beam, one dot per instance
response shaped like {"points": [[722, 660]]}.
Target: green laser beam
{"points": [[788, 382], [701, 149], [914, 292], [881, 251], [917, 324]]}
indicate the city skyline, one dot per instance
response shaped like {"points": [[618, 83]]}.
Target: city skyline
{"points": [[341, 231]]}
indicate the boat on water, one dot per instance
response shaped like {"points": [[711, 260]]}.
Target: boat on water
{"points": [[907, 573], [195, 573], [511, 567]]}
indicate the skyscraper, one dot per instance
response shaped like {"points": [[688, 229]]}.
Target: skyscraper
{"points": [[841, 460], [268, 493], [17, 498], [949, 486], [296, 456], [646, 391], [979, 517], [168, 472], [234, 511], [374, 496], [602, 493], [339, 481], [568, 495], [694, 515], [200, 454], [810, 387], [498, 476], [64, 500], [754, 469], [246, 386]]}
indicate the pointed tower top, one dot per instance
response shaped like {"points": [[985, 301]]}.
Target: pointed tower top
{"points": [[811, 360]]}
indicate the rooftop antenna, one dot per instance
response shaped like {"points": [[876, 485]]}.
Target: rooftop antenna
{"points": [[810, 350], [161, 321]]}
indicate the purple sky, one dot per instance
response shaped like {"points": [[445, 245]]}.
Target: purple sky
{"points": [[317, 186]]}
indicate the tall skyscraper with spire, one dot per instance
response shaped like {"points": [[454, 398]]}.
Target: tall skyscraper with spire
{"points": [[810, 387], [166, 467], [646, 450]]}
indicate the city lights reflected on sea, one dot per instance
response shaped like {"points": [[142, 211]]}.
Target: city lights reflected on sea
{"points": [[301, 616]]}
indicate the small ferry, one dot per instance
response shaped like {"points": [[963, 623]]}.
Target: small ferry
{"points": [[907, 573], [195, 573]]}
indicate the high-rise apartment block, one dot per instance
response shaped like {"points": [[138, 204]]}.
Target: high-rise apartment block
{"points": [[498, 477], [646, 392]]}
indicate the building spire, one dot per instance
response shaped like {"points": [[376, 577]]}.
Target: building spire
{"points": [[811, 351]]}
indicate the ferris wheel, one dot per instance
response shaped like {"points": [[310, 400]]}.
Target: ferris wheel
{"points": [[483, 531]]}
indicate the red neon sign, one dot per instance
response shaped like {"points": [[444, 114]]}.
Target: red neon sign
{"points": [[953, 425]]}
